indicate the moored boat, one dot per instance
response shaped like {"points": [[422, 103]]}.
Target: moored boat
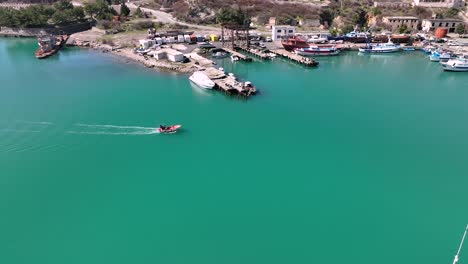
{"points": [[295, 42], [50, 45], [459, 64], [380, 48], [401, 38], [440, 55], [202, 80], [317, 51], [356, 37], [219, 54]]}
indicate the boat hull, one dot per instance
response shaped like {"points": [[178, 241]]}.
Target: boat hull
{"points": [[202, 81], [316, 53], [42, 55], [378, 51], [170, 130], [455, 69]]}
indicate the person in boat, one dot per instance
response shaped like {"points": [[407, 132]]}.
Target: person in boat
{"points": [[163, 127]]}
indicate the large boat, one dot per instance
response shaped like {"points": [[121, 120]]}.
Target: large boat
{"points": [[356, 37], [318, 51], [401, 38], [50, 45], [320, 38], [202, 80], [459, 64], [295, 42], [380, 48]]}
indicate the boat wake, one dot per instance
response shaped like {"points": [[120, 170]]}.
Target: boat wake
{"points": [[113, 130], [36, 122]]}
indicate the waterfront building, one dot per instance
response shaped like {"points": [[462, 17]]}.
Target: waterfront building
{"points": [[282, 32], [392, 4], [432, 24], [440, 3], [397, 21], [169, 54]]}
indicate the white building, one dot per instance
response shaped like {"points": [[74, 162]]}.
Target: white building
{"points": [[169, 54], [282, 32], [174, 55], [440, 3], [431, 24]]}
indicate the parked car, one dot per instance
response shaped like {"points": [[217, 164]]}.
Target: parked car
{"points": [[268, 39]]}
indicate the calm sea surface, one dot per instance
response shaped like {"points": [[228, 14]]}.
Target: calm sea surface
{"points": [[362, 160]]}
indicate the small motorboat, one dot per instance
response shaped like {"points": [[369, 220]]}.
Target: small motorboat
{"points": [[168, 129], [234, 58], [202, 80]]}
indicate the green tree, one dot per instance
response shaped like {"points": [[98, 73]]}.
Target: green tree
{"points": [[63, 5], [99, 10], [460, 29], [124, 10], [403, 29], [360, 17], [228, 15], [326, 16], [77, 13], [138, 13], [375, 11], [451, 13], [61, 17]]}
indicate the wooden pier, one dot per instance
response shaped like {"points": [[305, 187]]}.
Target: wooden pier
{"points": [[254, 52], [309, 62], [240, 55], [229, 84]]}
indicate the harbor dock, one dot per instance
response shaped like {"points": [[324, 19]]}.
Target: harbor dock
{"points": [[309, 62], [240, 55], [254, 52], [229, 84]]}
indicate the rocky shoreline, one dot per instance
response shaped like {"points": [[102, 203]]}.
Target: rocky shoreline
{"points": [[128, 54]]}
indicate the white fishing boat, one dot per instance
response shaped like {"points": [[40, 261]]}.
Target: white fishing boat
{"points": [[440, 55], [202, 80], [455, 260], [380, 48], [234, 58], [329, 50], [459, 64]]}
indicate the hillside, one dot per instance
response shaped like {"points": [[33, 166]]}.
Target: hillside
{"points": [[203, 11]]}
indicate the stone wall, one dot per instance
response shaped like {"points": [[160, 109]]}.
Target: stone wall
{"points": [[35, 32]]}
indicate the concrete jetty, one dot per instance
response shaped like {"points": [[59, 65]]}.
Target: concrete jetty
{"points": [[309, 62]]}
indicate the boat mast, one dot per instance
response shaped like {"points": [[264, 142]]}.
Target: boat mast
{"points": [[455, 260]]}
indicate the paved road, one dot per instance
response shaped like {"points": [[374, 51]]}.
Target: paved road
{"points": [[169, 19]]}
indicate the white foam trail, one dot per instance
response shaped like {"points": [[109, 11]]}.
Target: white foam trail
{"points": [[19, 130], [137, 133], [37, 122], [116, 127]]}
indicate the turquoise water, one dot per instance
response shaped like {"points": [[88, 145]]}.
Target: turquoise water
{"points": [[361, 160]]}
